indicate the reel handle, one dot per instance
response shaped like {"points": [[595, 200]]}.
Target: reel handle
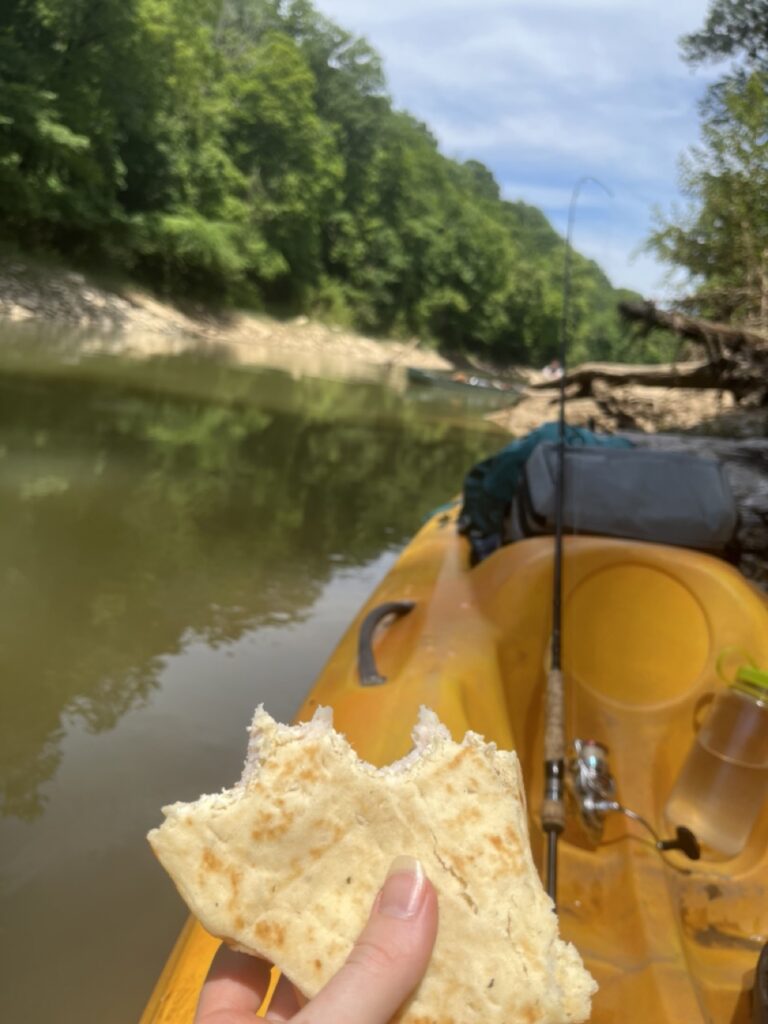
{"points": [[685, 841]]}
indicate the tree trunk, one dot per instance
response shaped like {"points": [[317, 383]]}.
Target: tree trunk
{"points": [[700, 374], [738, 357]]}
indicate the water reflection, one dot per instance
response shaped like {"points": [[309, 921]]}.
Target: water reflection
{"points": [[146, 505]]}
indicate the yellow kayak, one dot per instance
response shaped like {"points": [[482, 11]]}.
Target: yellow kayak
{"points": [[646, 628]]}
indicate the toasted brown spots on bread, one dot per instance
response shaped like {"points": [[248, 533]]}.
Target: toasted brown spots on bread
{"points": [[300, 892], [511, 837], [463, 864], [317, 851], [457, 759], [210, 861], [234, 880], [269, 826], [270, 933]]}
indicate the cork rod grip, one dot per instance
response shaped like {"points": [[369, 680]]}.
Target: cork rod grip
{"points": [[554, 717], [553, 815]]}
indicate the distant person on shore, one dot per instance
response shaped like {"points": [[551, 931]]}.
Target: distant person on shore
{"points": [[553, 370]]}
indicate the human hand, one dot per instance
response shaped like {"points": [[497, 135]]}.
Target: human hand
{"points": [[385, 965]]}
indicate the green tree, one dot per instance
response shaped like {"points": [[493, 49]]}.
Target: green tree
{"points": [[732, 28], [247, 151], [65, 68], [286, 153], [721, 238]]}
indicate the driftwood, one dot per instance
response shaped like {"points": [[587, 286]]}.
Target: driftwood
{"points": [[737, 356], [737, 359], [719, 340], [699, 374]]}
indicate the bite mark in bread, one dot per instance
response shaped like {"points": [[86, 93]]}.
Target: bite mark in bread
{"points": [[286, 864]]}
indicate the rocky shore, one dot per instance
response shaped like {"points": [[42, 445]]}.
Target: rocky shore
{"points": [[612, 406]]}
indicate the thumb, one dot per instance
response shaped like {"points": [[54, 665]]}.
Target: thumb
{"points": [[390, 957]]}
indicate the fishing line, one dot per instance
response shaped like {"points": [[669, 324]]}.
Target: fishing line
{"points": [[553, 804]]}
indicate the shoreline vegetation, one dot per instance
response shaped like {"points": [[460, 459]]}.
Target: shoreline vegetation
{"points": [[247, 154], [250, 157]]}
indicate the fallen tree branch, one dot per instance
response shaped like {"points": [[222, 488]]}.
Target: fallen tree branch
{"points": [[699, 374], [718, 339], [737, 360]]}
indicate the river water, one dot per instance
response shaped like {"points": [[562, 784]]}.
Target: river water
{"points": [[180, 539]]}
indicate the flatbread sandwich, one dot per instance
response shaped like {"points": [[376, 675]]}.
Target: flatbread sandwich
{"points": [[285, 865]]}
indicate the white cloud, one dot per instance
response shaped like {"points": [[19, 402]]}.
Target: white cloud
{"points": [[544, 91]]}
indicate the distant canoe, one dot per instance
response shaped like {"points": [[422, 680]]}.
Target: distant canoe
{"points": [[458, 382]]}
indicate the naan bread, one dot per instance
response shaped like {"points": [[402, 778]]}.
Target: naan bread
{"points": [[287, 863]]}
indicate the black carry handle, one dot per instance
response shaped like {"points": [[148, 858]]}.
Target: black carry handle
{"points": [[366, 663]]}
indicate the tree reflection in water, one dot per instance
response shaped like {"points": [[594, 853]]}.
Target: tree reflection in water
{"points": [[146, 505]]}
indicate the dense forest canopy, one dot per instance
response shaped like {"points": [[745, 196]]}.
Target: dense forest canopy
{"points": [[721, 238], [247, 151]]}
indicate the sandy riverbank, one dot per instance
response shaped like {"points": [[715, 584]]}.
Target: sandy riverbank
{"points": [[132, 321], [126, 319]]}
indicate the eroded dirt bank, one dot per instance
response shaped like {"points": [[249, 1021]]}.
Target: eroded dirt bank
{"points": [[132, 321]]}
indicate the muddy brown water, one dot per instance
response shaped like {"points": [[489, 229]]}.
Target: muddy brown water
{"points": [[180, 540]]}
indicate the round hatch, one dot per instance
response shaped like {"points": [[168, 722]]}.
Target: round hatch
{"points": [[636, 635]]}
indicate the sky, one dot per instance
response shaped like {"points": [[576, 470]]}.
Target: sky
{"points": [[546, 91]]}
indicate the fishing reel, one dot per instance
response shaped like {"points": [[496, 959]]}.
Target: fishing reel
{"points": [[593, 789]]}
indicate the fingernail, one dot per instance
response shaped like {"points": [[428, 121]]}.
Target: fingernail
{"points": [[404, 888]]}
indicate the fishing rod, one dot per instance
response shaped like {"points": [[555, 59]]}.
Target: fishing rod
{"points": [[553, 804]]}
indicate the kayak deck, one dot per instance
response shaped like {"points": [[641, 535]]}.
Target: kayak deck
{"points": [[644, 626]]}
